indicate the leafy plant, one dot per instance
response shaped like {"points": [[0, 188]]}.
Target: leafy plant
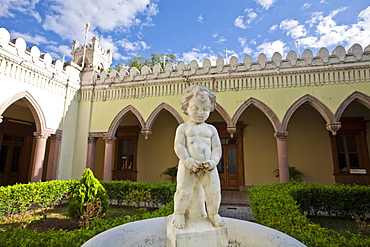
{"points": [[88, 190], [294, 174], [171, 172]]}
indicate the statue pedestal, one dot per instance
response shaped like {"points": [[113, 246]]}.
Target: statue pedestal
{"points": [[196, 233]]}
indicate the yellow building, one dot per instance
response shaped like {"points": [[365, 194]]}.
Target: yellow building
{"points": [[308, 112]]}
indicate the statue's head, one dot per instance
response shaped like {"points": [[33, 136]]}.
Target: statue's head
{"points": [[201, 92]]}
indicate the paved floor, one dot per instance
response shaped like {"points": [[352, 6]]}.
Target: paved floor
{"points": [[235, 204]]}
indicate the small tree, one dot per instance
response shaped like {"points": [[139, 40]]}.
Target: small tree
{"points": [[88, 190]]}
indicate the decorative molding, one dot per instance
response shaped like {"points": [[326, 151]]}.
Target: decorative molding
{"points": [[39, 135], [146, 132], [281, 136], [109, 139], [92, 139], [333, 127]]}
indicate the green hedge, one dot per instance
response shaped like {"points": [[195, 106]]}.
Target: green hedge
{"points": [[275, 206], [16, 237], [120, 191], [20, 197], [338, 200]]}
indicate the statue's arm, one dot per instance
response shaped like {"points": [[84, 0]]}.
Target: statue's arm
{"points": [[216, 148], [181, 150]]}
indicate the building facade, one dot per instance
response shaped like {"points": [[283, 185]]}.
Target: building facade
{"points": [[308, 112]]}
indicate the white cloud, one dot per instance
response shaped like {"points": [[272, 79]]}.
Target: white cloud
{"points": [[36, 39], [198, 54], [327, 32], [27, 7], [306, 6], [56, 51], [244, 45], [250, 17], [200, 18], [266, 4], [133, 46], [269, 48], [239, 22], [273, 28], [67, 17], [293, 28]]}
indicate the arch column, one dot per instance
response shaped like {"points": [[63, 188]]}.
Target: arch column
{"points": [[39, 156], [91, 149], [282, 156], [108, 158], [55, 140]]}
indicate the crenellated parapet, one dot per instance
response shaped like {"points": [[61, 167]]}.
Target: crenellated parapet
{"points": [[96, 57], [28, 65], [339, 67]]}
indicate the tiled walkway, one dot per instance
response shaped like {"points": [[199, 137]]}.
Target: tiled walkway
{"points": [[235, 204]]}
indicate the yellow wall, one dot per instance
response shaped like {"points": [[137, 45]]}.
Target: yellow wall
{"points": [[260, 151], [156, 154], [309, 148]]}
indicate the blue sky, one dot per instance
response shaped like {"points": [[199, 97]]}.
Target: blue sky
{"points": [[193, 29]]}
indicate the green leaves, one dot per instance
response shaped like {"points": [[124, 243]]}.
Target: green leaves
{"points": [[87, 190], [280, 205]]}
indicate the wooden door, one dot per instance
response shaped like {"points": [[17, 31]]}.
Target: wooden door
{"points": [[10, 161], [230, 167]]}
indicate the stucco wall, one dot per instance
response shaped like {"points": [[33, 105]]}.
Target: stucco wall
{"points": [[309, 148]]}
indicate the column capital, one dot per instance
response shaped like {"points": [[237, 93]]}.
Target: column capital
{"points": [[109, 139], [40, 135], [333, 127], [58, 135], [146, 132], [231, 130], [92, 139], [281, 135]]}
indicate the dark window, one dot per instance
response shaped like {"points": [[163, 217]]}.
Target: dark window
{"points": [[349, 147]]}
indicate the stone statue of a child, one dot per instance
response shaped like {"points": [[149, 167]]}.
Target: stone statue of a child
{"points": [[198, 147]]}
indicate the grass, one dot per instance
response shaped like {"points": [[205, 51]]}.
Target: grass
{"points": [[57, 218]]}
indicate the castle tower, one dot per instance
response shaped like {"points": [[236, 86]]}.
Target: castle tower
{"points": [[96, 58]]}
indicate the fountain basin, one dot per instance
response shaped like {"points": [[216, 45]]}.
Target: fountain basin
{"points": [[152, 232]]}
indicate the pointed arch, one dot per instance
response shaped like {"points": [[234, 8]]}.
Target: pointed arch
{"points": [[262, 107], [315, 103], [155, 113], [355, 96], [117, 120], [224, 115], [33, 105]]}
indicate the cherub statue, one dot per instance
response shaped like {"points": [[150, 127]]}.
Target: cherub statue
{"points": [[198, 147]]}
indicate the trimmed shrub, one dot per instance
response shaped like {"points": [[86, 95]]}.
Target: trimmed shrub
{"points": [[87, 190], [274, 206]]}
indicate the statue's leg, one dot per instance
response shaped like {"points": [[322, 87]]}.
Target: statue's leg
{"points": [[212, 191], [186, 181]]}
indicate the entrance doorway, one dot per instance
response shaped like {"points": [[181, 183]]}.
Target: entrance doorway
{"points": [[15, 150], [231, 168]]}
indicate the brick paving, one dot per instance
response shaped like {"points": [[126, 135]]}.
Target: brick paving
{"points": [[235, 204]]}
